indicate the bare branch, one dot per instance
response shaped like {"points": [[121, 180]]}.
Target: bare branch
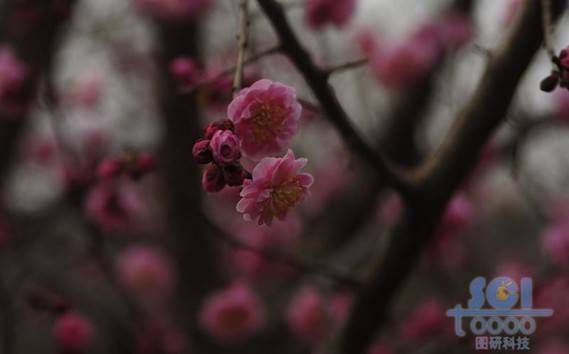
{"points": [[317, 80], [354, 64], [441, 176], [242, 42], [547, 28]]}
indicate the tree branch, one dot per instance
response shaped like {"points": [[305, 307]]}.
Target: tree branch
{"points": [[441, 176], [242, 42], [317, 80]]}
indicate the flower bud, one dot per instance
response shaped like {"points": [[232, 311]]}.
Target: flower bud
{"points": [[73, 332], [109, 169], [225, 147], [202, 152], [211, 128], [549, 83], [234, 175], [212, 179]]}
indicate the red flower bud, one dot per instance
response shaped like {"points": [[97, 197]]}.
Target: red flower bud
{"points": [[109, 169], [202, 152], [211, 128], [212, 179], [234, 175], [549, 83]]}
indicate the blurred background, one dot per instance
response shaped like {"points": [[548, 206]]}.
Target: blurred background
{"points": [[149, 263]]}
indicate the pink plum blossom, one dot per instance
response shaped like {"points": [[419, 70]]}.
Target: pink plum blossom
{"points": [[114, 209], [401, 65], [339, 306], [146, 272], [276, 187], [457, 216], [455, 30], [427, 320], [158, 335], [266, 117], [225, 147], [185, 71], [73, 332], [307, 316], [319, 13], [232, 314]]}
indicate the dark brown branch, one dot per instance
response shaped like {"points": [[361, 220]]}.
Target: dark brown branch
{"points": [[317, 80], [442, 175], [242, 42], [354, 64], [34, 44]]}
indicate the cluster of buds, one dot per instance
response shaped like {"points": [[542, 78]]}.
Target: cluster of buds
{"points": [[133, 165], [560, 76], [220, 150]]}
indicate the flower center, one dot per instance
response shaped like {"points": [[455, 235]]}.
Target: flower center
{"points": [[266, 121], [284, 196]]}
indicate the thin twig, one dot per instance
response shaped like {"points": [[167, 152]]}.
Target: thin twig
{"points": [[354, 64], [293, 260], [317, 80], [242, 42], [547, 28]]}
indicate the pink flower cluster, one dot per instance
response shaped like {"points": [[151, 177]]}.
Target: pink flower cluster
{"points": [[400, 65], [276, 187], [263, 119], [115, 208], [13, 74], [232, 314], [266, 118], [147, 273], [133, 165], [319, 13], [220, 149], [73, 333], [173, 9], [310, 314]]}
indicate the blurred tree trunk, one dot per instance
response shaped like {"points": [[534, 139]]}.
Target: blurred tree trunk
{"points": [[192, 249]]}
